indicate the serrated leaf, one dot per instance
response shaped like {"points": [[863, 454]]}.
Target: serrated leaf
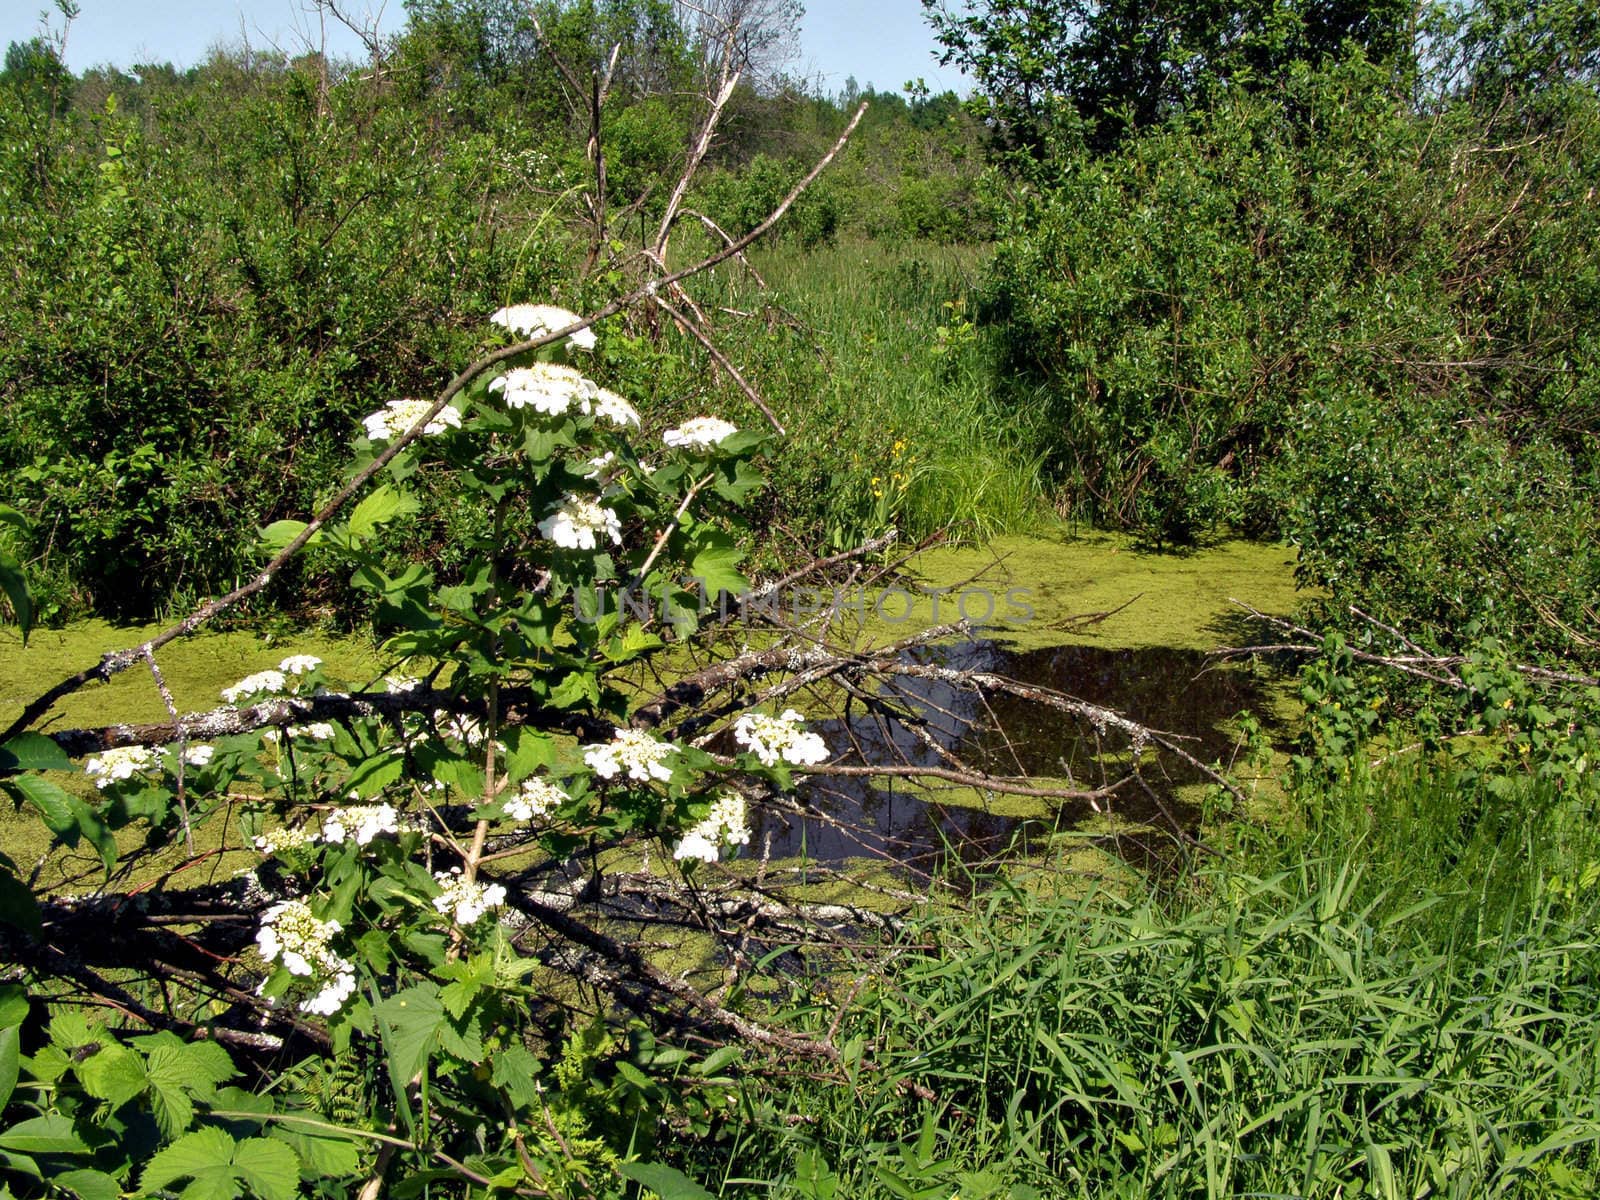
{"points": [[715, 564], [517, 1071], [409, 1023], [526, 751], [466, 981], [577, 687], [222, 1168], [380, 506], [115, 1075], [325, 1156], [33, 752], [667, 1182]]}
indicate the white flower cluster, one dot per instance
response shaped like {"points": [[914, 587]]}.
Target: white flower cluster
{"points": [[641, 755], [362, 822], [537, 799], [398, 416], [700, 433], [291, 933], [772, 738], [320, 731], [553, 389], [397, 685], [198, 756], [534, 320], [300, 664], [466, 900], [461, 728], [262, 683], [577, 522], [276, 841], [118, 763], [726, 824]]}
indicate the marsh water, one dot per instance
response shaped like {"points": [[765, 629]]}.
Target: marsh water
{"points": [[1143, 653], [1178, 691]]}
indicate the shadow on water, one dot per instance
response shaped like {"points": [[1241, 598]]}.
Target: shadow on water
{"points": [[916, 826]]}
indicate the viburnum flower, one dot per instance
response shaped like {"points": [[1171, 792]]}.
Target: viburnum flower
{"points": [[701, 433], [363, 822], [118, 763], [538, 798], [198, 756], [641, 755], [726, 824], [291, 934], [399, 684], [533, 320], [772, 738], [398, 416], [466, 900], [269, 683], [320, 731], [575, 524], [276, 841], [614, 408], [300, 664], [550, 388]]}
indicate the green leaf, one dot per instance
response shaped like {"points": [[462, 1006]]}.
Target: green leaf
{"points": [[715, 564], [13, 1005], [89, 1185], [324, 1155], [383, 504], [409, 1022], [50, 1134], [376, 773], [54, 805], [665, 1181], [517, 1071], [280, 533], [15, 585], [33, 752], [94, 830], [115, 1075], [18, 908], [10, 1055], [577, 687], [221, 1168], [467, 980]]}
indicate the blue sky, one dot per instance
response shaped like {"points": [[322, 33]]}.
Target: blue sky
{"points": [[882, 42]]}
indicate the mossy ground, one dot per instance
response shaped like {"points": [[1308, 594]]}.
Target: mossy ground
{"points": [[1042, 586], [1178, 600]]}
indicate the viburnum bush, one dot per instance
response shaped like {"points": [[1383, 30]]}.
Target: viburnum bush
{"points": [[377, 927]]}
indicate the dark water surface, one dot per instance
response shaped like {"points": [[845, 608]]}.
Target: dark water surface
{"points": [[1176, 691]]}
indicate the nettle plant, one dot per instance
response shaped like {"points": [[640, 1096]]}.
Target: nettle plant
{"points": [[506, 733]]}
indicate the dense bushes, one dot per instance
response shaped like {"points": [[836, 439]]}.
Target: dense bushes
{"points": [[1324, 316], [207, 299]]}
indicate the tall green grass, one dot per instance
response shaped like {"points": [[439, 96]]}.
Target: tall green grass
{"points": [[887, 386], [1400, 1000]]}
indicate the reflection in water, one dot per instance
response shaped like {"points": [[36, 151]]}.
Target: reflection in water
{"points": [[905, 824]]}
